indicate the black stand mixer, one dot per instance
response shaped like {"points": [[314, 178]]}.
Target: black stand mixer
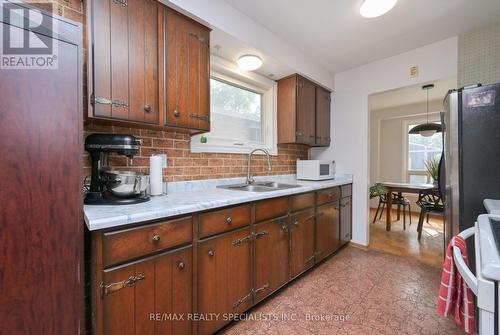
{"points": [[109, 187]]}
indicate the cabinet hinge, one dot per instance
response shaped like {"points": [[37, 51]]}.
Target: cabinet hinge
{"points": [[120, 2]]}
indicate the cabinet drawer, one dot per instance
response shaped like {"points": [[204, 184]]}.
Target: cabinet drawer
{"points": [[226, 219], [123, 245], [328, 195], [346, 190], [270, 209], [301, 201]]}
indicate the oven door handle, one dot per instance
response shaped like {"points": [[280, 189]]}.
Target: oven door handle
{"points": [[464, 270]]}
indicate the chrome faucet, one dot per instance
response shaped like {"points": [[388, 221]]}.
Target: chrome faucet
{"points": [[250, 179]]}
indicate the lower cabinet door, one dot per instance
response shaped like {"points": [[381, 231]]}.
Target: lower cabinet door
{"points": [[224, 278], [271, 257], [327, 230], [301, 242], [345, 220], [153, 296]]}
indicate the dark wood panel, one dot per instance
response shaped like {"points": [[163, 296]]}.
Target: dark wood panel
{"points": [[322, 117], [301, 201], [328, 195], [164, 286], [345, 219], [224, 277], [301, 242], [346, 190], [287, 109], [120, 246], [101, 54], [270, 209], [224, 220], [271, 257], [41, 230], [327, 230], [306, 112]]}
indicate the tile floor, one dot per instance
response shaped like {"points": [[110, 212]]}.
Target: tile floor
{"points": [[361, 292]]}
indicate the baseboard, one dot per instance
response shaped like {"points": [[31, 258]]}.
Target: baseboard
{"points": [[358, 246]]}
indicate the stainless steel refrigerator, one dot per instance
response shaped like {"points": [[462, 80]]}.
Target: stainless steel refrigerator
{"points": [[470, 170]]}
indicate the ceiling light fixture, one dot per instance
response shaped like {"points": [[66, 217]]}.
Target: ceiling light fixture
{"points": [[426, 129], [375, 8], [249, 62]]}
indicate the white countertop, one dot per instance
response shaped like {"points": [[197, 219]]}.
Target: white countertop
{"points": [[195, 196], [492, 206]]}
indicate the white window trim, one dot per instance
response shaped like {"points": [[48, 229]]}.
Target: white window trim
{"points": [[433, 117], [229, 72]]}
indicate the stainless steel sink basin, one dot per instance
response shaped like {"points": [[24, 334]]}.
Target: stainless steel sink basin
{"points": [[263, 186]]}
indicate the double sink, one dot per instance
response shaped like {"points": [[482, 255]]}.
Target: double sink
{"points": [[262, 186]]}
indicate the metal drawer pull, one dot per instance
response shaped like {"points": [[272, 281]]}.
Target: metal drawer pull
{"points": [[299, 134], [120, 2], [244, 299], [262, 233], [200, 117], [229, 220], [131, 281], [181, 265], [156, 238], [106, 101], [260, 289], [211, 253], [147, 108], [176, 112], [241, 240]]}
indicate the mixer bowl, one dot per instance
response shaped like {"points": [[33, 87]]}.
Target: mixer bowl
{"points": [[125, 184]]}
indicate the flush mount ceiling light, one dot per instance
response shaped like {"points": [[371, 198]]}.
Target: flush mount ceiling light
{"points": [[426, 129], [374, 8], [249, 62]]}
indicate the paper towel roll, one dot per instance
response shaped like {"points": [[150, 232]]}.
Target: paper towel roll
{"points": [[156, 175]]}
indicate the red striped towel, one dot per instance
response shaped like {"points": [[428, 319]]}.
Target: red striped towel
{"points": [[455, 297]]}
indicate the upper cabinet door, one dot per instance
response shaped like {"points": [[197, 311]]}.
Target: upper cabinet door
{"points": [[188, 72], [125, 74], [322, 117], [306, 110]]}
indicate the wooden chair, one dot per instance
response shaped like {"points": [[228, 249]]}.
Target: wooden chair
{"points": [[380, 191], [430, 202]]}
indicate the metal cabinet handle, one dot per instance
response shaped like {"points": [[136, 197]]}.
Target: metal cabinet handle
{"points": [[156, 238], [295, 222], [260, 289], [244, 299], [261, 234], [120, 2], [176, 112], [242, 240], [181, 265], [211, 253], [147, 108], [131, 281], [200, 117], [229, 220]]}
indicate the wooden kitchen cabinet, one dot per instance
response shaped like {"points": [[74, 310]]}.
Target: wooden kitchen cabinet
{"points": [[271, 257], [327, 230], [124, 61], [303, 112], [301, 242], [188, 72], [345, 219], [224, 277], [133, 293]]}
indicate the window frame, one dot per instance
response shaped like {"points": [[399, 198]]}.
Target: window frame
{"points": [[227, 72], [406, 147]]}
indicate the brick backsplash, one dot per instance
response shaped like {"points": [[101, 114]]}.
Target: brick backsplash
{"points": [[185, 165], [182, 163]]}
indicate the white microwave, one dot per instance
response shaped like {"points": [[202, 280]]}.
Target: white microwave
{"points": [[315, 169]]}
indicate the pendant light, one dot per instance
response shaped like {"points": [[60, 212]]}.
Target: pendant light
{"points": [[426, 129]]}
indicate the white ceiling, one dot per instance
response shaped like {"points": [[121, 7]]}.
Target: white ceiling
{"points": [[333, 33], [230, 48], [411, 94]]}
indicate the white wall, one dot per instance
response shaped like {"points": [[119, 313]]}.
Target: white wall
{"points": [[225, 17], [350, 116]]}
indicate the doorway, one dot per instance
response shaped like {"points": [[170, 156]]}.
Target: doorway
{"points": [[401, 161]]}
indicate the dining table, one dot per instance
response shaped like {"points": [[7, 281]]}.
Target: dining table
{"points": [[401, 188]]}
